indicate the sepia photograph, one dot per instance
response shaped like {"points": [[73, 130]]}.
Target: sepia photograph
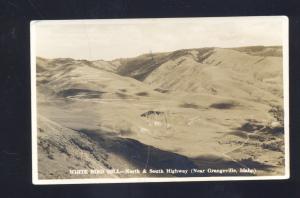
{"points": [[159, 100]]}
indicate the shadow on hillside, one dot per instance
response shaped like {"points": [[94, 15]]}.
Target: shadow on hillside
{"points": [[82, 93], [149, 157], [138, 154]]}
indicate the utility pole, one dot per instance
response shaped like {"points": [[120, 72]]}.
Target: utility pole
{"points": [[151, 56]]}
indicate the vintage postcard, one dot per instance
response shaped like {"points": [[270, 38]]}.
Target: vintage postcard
{"points": [[160, 100]]}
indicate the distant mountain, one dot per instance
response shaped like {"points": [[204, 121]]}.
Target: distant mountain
{"points": [[86, 79], [244, 72], [275, 51], [219, 71]]}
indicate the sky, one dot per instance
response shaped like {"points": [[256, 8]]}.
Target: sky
{"points": [[111, 39]]}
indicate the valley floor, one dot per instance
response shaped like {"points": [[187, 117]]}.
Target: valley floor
{"points": [[155, 133]]}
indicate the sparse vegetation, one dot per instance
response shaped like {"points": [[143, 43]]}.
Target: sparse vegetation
{"points": [[161, 90], [125, 132], [277, 112], [223, 105], [251, 127], [121, 95], [189, 105], [43, 81], [148, 113], [279, 130], [143, 93], [274, 145]]}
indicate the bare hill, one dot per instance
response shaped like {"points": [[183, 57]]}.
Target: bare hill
{"points": [[224, 72]]}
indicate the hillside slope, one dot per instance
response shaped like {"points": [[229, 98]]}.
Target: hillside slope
{"points": [[237, 72]]}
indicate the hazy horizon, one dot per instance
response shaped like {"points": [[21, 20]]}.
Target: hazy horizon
{"points": [[157, 52], [114, 39]]}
